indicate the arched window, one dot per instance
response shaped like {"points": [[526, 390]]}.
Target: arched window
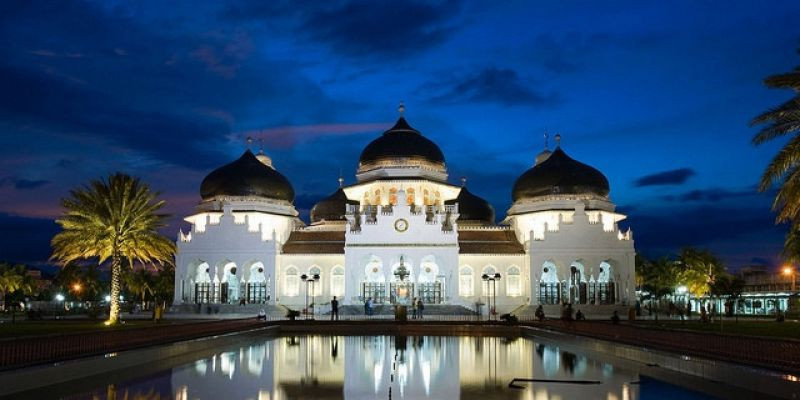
{"points": [[393, 196], [549, 273], [316, 287], [337, 281], [291, 282], [605, 273], [513, 282], [488, 286], [377, 200], [203, 273], [466, 282], [410, 195]]}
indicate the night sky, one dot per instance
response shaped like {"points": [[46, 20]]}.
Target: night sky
{"points": [[657, 96]]}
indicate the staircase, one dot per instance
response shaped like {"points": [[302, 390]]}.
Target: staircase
{"points": [[430, 309], [213, 309]]}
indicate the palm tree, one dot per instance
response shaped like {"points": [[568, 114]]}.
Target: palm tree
{"points": [[784, 169], [10, 281], [112, 219], [140, 283]]}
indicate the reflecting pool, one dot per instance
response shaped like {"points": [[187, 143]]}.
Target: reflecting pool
{"points": [[372, 367]]}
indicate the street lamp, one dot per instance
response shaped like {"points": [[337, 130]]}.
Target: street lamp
{"points": [[309, 280], [493, 279], [789, 271]]}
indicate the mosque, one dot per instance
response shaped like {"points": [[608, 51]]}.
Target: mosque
{"points": [[404, 231]]}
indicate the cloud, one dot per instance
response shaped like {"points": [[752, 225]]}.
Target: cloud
{"points": [[288, 136], [360, 28], [491, 85], [711, 195], [740, 229], [23, 184], [671, 177]]}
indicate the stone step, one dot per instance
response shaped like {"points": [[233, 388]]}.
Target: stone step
{"points": [[430, 309]]}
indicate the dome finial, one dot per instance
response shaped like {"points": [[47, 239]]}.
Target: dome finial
{"points": [[558, 140], [249, 142], [341, 180], [463, 181], [260, 146], [401, 108]]}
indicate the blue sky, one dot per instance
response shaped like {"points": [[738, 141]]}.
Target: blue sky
{"points": [[657, 95]]}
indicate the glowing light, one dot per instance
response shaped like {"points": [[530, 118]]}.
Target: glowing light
{"points": [[681, 289], [108, 298], [77, 287], [59, 297], [788, 270]]}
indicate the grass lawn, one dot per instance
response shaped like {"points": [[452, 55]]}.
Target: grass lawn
{"points": [[32, 328], [788, 329]]}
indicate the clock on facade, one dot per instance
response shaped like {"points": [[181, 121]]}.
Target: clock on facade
{"points": [[400, 225]]}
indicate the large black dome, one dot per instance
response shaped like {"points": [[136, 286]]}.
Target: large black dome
{"points": [[401, 141], [331, 208], [560, 174], [247, 177], [472, 207]]}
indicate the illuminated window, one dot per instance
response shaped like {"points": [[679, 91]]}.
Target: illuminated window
{"points": [[337, 281], [513, 282], [316, 288], [466, 282], [291, 282]]}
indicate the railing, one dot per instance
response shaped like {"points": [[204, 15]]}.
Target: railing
{"points": [[25, 351], [771, 353]]}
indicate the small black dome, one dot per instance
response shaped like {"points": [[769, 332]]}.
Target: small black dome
{"points": [[399, 142], [472, 207], [331, 208], [247, 177], [560, 174]]}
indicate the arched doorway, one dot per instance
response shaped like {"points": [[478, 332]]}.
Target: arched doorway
{"points": [[429, 287], [373, 286], [257, 286], [549, 286]]}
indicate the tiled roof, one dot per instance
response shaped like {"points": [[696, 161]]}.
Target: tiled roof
{"points": [[469, 242], [315, 242], [489, 242]]}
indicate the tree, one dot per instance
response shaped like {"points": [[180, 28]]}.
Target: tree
{"points": [[784, 169], [15, 280], [730, 287], [112, 219], [699, 270], [140, 283], [164, 288], [659, 278]]}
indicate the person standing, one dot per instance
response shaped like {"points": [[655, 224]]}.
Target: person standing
{"points": [[366, 307], [334, 309], [420, 308], [414, 308]]}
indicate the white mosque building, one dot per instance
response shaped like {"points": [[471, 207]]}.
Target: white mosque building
{"points": [[401, 231]]}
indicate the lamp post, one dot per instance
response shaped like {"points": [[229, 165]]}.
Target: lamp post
{"points": [[789, 271], [309, 279], [493, 279]]}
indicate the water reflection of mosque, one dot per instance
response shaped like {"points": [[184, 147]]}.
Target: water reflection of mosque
{"points": [[355, 367]]}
